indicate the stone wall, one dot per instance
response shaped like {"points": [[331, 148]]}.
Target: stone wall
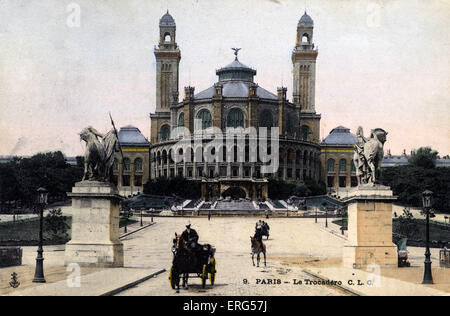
{"points": [[10, 256]]}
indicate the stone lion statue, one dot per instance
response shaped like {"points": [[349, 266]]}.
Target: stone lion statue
{"points": [[369, 154]]}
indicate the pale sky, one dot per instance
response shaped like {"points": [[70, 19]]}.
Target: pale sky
{"points": [[381, 64]]}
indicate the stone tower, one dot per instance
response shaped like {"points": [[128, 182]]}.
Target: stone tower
{"points": [[304, 60], [167, 64]]}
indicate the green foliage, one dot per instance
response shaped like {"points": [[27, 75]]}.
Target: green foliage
{"points": [[8, 183], [281, 190], [408, 183], [415, 230], [424, 157], [20, 178], [56, 223], [177, 186], [406, 226]]}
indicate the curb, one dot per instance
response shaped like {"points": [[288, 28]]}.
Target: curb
{"points": [[344, 288], [334, 233], [137, 230], [132, 284]]}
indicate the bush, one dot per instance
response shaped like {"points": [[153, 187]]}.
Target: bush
{"points": [[56, 223], [177, 186], [282, 190]]}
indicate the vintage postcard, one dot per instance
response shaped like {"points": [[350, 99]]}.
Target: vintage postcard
{"points": [[226, 149]]}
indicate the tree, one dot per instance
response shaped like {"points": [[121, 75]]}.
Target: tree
{"points": [[178, 186], [408, 182], [424, 157], [8, 184], [56, 223], [407, 225], [20, 178]]}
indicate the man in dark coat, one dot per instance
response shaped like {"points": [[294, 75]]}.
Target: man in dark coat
{"points": [[190, 237]]}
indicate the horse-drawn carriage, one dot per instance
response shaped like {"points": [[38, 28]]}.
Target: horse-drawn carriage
{"points": [[188, 262]]}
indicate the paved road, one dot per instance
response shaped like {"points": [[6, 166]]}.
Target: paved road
{"points": [[293, 238]]}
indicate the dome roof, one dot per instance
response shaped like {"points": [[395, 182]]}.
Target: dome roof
{"points": [[235, 89], [236, 64], [306, 20], [167, 20], [340, 136], [130, 135], [236, 71]]}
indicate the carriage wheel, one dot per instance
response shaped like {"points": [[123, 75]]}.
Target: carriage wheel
{"points": [[172, 278], [212, 274], [204, 276]]}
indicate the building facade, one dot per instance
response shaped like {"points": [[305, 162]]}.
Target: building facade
{"points": [[131, 171], [235, 101], [337, 168]]}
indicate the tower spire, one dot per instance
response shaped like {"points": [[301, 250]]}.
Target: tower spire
{"points": [[304, 59]]}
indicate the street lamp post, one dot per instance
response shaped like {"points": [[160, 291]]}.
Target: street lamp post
{"points": [[142, 224], [316, 215], [324, 204], [39, 272], [126, 214], [427, 204]]}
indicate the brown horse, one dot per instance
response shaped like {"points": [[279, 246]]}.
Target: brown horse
{"points": [[184, 261], [257, 248]]}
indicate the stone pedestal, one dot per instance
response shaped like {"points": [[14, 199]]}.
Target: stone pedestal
{"points": [[370, 228], [95, 226]]}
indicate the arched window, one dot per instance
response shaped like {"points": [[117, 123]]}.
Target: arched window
{"points": [[290, 125], [171, 156], [330, 165], [304, 132], [305, 38], [126, 164], [342, 165], [205, 118], [181, 119], [138, 164], [167, 38], [235, 118], [290, 156], [298, 156], [164, 133], [282, 155], [266, 119]]}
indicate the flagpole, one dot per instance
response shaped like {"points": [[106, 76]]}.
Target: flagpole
{"points": [[120, 148]]}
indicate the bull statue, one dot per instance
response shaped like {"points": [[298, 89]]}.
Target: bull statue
{"points": [[99, 154], [369, 154]]}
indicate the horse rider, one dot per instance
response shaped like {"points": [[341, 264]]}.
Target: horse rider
{"points": [[258, 231], [190, 238]]}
